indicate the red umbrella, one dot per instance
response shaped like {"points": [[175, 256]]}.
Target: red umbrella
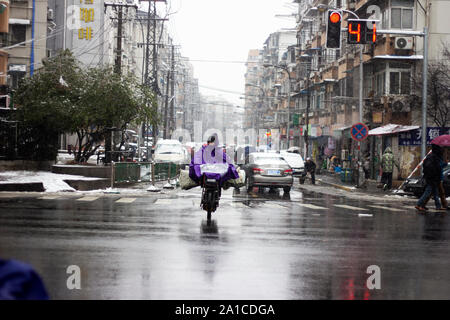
{"points": [[443, 141]]}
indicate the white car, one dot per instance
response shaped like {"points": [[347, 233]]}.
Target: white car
{"points": [[296, 162], [171, 151]]}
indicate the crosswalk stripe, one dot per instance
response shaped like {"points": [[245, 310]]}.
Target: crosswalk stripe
{"points": [[87, 199], [274, 206], [387, 208], [164, 201], [311, 206], [126, 200], [350, 207], [49, 197], [238, 205]]}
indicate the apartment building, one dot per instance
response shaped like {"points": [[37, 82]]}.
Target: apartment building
{"points": [[24, 43], [328, 83], [266, 88]]}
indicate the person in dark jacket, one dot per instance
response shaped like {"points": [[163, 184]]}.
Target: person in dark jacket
{"points": [[310, 167], [432, 175]]}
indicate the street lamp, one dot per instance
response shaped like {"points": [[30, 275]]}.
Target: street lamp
{"points": [[308, 101]]}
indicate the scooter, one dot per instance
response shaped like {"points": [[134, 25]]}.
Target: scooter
{"points": [[212, 190]]}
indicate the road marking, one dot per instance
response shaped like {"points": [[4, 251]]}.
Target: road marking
{"points": [[274, 206], [126, 200], [49, 197], [8, 196], [87, 199], [350, 207], [316, 214], [164, 201], [311, 206], [365, 215], [238, 205], [387, 208]]}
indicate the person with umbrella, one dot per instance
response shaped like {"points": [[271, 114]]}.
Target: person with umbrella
{"points": [[432, 175], [442, 141]]}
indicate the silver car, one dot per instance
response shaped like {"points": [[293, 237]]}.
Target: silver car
{"points": [[267, 170]]}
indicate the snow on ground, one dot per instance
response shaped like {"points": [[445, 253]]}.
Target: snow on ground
{"points": [[52, 182]]}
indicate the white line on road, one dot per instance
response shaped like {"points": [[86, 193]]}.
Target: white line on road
{"points": [[126, 200], [311, 206], [274, 206], [350, 207], [365, 215], [87, 199], [387, 208], [49, 197], [164, 201]]}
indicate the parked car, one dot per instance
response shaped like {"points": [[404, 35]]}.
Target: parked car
{"points": [[296, 162], [171, 151], [416, 185], [267, 170]]}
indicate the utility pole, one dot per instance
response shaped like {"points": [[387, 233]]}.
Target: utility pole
{"points": [[172, 92], [117, 67], [151, 56], [166, 107]]}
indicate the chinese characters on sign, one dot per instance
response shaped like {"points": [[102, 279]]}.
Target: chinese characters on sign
{"points": [[413, 137], [86, 16]]}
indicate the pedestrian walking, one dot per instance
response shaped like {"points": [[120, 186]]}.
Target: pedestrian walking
{"points": [[432, 175], [310, 167], [387, 165], [366, 165], [441, 190]]}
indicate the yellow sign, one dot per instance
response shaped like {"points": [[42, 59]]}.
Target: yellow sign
{"points": [[85, 33], [87, 16], [377, 117]]}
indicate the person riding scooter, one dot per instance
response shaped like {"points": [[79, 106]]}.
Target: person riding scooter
{"points": [[211, 154]]}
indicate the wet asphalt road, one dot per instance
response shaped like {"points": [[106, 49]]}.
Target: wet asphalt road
{"points": [[259, 246]]}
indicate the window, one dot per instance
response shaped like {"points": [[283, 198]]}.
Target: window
{"points": [[17, 34], [402, 14], [399, 82], [380, 84]]}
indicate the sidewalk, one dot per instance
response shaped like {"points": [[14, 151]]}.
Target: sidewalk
{"points": [[370, 192]]}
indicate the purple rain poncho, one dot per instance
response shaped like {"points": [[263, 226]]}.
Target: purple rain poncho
{"points": [[19, 281], [211, 154]]}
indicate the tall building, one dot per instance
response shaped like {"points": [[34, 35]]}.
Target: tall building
{"points": [[329, 81]]}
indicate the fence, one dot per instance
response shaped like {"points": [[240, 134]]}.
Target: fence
{"points": [[133, 172]]}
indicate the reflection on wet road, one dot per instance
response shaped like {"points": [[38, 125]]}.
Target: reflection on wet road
{"points": [[259, 246]]}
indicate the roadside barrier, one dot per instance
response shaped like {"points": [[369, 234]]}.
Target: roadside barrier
{"points": [[136, 172]]}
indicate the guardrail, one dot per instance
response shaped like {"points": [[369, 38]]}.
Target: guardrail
{"points": [[135, 172]]}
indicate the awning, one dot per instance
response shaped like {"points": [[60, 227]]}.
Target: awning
{"points": [[19, 21], [388, 56], [391, 129], [342, 129]]}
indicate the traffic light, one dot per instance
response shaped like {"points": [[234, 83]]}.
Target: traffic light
{"points": [[334, 29], [359, 32]]}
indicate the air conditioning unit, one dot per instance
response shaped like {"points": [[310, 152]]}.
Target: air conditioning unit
{"points": [[50, 15], [404, 43], [400, 106]]}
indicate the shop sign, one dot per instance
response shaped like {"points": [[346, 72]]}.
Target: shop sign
{"points": [[414, 137]]}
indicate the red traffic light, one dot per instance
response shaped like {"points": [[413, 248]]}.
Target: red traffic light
{"points": [[335, 17]]}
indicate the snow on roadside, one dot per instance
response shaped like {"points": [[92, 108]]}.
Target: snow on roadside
{"points": [[52, 182]]}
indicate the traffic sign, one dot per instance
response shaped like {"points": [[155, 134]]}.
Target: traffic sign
{"points": [[359, 131]]}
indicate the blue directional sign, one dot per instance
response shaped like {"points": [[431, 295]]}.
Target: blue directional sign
{"points": [[359, 131]]}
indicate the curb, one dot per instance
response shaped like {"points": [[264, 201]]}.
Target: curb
{"points": [[348, 189]]}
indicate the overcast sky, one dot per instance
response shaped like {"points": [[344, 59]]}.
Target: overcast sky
{"points": [[224, 30]]}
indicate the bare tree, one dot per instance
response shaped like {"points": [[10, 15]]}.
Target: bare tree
{"points": [[438, 89]]}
